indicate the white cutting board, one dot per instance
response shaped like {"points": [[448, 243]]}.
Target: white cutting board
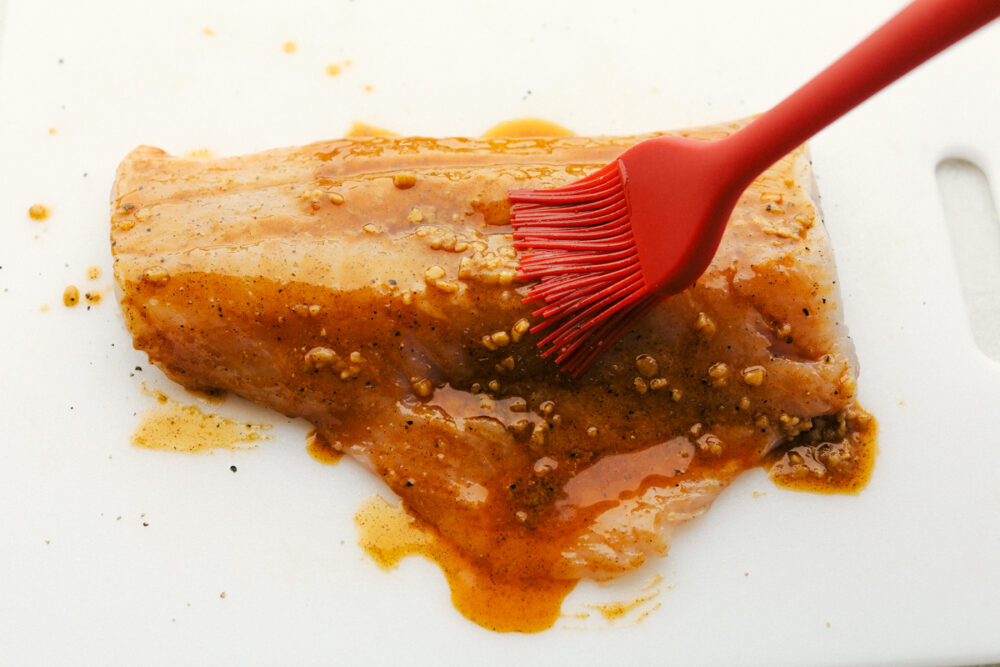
{"points": [[909, 571]]}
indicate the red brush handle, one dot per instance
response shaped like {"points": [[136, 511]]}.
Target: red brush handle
{"points": [[920, 31]]}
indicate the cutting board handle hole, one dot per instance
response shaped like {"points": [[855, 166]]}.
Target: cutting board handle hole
{"points": [[974, 225]]}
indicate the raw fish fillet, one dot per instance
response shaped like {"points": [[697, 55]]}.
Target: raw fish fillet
{"points": [[368, 286]]}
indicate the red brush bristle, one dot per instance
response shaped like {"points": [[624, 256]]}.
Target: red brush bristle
{"points": [[578, 244]]}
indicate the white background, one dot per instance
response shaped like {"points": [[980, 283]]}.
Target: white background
{"points": [[909, 571]]}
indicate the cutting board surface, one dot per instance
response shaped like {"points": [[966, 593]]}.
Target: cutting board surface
{"points": [[118, 555]]}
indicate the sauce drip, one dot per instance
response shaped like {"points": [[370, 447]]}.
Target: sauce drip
{"points": [[321, 450], [389, 534]]}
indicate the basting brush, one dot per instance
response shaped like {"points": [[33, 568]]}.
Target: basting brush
{"points": [[607, 248]]}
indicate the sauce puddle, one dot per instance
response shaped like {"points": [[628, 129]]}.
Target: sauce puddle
{"points": [[175, 427], [842, 462]]}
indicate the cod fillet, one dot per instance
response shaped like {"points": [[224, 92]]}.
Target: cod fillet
{"points": [[368, 285]]}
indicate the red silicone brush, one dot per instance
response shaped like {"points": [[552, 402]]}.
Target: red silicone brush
{"points": [[608, 247]]}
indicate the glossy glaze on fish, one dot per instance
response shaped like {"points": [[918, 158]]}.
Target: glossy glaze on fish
{"points": [[368, 286]]}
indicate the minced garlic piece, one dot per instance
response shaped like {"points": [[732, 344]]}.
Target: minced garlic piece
{"points": [[657, 383], [704, 325], [447, 286], [500, 338], [520, 328], [753, 375], [404, 180], [487, 267], [718, 374], [538, 435], [156, 275], [520, 427], [422, 387], [544, 465], [320, 357], [709, 443], [646, 365]]}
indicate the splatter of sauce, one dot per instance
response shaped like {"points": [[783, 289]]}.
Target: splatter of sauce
{"points": [[623, 609], [38, 212], [389, 534], [617, 611], [93, 272], [71, 296], [289, 47], [172, 426]]}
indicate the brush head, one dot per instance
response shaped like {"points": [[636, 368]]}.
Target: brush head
{"points": [[605, 249], [582, 252]]}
